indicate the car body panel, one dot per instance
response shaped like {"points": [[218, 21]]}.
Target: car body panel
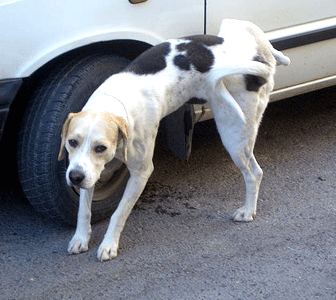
{"points": [[268, 15], [34, 31]]}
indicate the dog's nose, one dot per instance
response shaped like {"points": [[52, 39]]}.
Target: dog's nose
{"points": [[76, 177]]}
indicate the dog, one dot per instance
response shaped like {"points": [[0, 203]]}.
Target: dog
{"points": [[233, 72]]}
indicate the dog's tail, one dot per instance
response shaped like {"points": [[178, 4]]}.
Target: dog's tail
{"points": [[280, 58], [218, 73]]}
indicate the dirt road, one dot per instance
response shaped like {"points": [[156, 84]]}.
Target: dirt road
{"points": [[179, 241]]}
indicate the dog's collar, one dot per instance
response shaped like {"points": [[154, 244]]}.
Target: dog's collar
{"points": [[122, 104]]}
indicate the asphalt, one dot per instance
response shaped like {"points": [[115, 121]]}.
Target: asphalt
{"points": [[180, 243]]}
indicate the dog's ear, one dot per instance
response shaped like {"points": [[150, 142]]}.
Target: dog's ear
{"points": [[64, 134], [123, 133]]}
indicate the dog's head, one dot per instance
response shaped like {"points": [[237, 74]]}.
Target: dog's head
{"points": [[91, 139]]}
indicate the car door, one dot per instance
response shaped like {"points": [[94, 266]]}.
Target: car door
{"points": [[303, 30]]}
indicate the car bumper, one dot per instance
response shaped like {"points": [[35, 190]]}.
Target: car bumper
{"points": [[8, 91]]}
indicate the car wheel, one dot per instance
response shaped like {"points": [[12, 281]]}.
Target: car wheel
{"points": [[42, 176]]}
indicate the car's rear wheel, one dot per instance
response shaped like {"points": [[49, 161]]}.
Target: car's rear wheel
{"points": [[42, 176]]}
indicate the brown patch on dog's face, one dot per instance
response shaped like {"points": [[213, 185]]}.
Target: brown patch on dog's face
{"points": [[91, 139]]}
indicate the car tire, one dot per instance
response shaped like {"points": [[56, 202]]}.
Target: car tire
{"points": [[42, 176]]}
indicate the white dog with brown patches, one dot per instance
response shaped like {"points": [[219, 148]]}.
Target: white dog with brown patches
{"points": [[232, 71]]}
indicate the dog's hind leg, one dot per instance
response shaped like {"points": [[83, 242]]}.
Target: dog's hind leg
{"points": [[252, 175], [238, 138]]}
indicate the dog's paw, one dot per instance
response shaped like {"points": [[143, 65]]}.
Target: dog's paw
{"points": [[244, 215], [78, 245], [106, 252]]}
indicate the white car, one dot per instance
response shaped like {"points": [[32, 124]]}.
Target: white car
{"points": [[54, 54]]}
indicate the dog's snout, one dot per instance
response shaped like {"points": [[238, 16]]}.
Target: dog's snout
{"points": [[76, 176]]}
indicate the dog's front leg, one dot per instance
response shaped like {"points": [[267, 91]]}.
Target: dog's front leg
{"points": [[109, 246], [80, 241]]}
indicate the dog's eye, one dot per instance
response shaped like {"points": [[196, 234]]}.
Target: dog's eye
{"points": [[100, 149], [73, 143]]}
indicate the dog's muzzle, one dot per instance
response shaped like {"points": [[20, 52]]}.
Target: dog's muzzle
{"points": [[77, 176]]}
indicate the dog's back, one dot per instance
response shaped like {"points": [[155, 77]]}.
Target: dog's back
{"points": [[186, 54], [192, 68]]}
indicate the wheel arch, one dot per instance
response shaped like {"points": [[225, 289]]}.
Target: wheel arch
{"points": [[56, 49], [127, 48]]}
